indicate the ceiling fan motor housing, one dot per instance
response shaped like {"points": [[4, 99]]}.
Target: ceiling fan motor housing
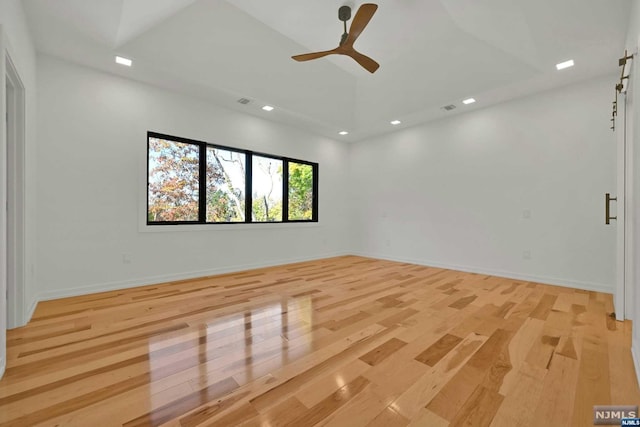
{"points": [[344, 13]]}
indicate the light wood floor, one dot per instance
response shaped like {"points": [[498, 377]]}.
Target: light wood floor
{"points": [[345, 341]]}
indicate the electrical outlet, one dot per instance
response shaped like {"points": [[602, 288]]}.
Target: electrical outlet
{"points": [[526, 255], [126, 258], [526, 214]]}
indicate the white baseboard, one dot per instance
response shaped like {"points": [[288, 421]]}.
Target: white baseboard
{"points": [[30, 311], [150, 280], [587, 286], [635, 353], [27, 315], [3, 365]]}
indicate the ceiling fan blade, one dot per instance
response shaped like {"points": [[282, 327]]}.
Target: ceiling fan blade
{"points": [[360, 21], [314, 55], [367, 63]]}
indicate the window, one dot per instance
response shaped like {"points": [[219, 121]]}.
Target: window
{"points": [[225, 185], [173, 181], [300, 191], [194, 182], [267, 189]]}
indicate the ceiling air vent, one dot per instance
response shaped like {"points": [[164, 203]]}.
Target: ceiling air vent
{"points": [[244, 101], [449, 107]]}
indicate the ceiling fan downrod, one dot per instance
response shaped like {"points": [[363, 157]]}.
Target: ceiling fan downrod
{"points": [[344, 14]]}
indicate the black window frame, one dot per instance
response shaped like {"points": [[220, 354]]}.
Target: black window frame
{"points": [[202, 212]]}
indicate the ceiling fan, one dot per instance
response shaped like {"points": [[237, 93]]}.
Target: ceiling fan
{"points": [[360, 21]]}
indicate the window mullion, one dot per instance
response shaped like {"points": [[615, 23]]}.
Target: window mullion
{"points": [[202, 184], [248, 204], [314, 204], [285, 190]]}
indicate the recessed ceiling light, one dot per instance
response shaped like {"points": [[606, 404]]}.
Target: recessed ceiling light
{"points": [[344, 132], [565, 64], [267, 108], [395, 122], [124, 61], [468, 101]]}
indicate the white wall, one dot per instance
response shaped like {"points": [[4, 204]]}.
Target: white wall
{"points": [[91, 186], [17, 42], [453, 193], [633, 189]]}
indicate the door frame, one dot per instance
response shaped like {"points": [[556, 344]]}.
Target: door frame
{"points": [[619, 300], [12, 196], [15, 187], [630, 311], [3, 201]]}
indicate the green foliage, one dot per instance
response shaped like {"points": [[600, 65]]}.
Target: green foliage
{"points": [[222, 208], [300, 191], [265, 210]]}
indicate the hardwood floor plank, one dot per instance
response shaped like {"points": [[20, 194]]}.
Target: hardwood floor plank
{"points": [[479, 409], [519, 347], [450, 399], [554, 408], [234, 417], [624, 387], [292, 384], [593, 381], [383, 351], [316, 390], [283, 414], [518, 408], [428, 385], [388, 418], [485, 357], [326, 407], [359, 411], [427, 418], [543, 308], [184, 404], [398, 318], [543, 349], [438, 350], [463, 302]]}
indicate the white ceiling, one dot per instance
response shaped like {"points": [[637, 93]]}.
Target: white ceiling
{"points": [[431, 52]]}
